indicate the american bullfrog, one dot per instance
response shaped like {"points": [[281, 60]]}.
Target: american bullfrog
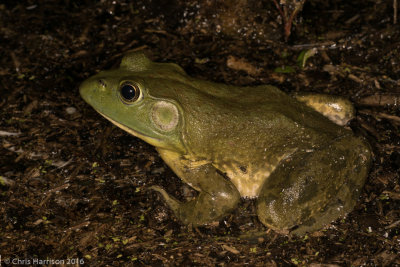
{"points": [[229, 142]]}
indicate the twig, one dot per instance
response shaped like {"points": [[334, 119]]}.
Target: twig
{"points": [[5, 133], [380, 100], [392, 225], [288, 19], [322, 45], [289, 23], [389, 117], [280, 10]]}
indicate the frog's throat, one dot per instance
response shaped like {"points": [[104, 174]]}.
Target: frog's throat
{"points": [[148, 139]]}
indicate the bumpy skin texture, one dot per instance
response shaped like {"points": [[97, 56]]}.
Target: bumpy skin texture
{"points": [[229, 142]]}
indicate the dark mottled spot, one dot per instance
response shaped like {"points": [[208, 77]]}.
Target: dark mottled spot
{"points": [[223, 174], [305, 214], [243, 169], [268, 220], [310, 222], [309, 193]]}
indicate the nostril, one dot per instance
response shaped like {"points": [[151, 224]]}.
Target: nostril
{"points": [[102, 82]]}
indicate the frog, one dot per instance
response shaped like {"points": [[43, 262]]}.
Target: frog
{"points": [[231, 142]]}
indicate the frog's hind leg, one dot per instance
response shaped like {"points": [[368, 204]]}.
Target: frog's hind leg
{"points": [[311, 189]]}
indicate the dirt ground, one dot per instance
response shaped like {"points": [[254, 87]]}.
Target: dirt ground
{"points": [[73, 186]]}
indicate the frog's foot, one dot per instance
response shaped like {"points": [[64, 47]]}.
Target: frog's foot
{"points": [[311, 189], [217, 198], [336, 108], [303, 222]]}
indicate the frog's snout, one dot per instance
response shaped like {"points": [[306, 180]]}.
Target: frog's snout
{"points": [[91, 87]]}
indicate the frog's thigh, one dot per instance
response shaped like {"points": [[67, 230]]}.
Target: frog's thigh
{"points": [[310, 190]]}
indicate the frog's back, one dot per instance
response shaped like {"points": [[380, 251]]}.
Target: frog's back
{"points": [[260, 109]]}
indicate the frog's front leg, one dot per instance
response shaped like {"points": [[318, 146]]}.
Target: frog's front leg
{"points": [[217, 195]]}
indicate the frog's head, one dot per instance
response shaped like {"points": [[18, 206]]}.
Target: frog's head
{"points": [[139, 97]]}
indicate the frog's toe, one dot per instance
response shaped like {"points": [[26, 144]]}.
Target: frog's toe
{"points": [[171, 201], [156, 188]]}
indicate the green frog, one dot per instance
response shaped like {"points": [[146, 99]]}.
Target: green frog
{"points": [[230, 142]]}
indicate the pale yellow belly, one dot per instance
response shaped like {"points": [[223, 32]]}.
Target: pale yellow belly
{"points": [[248, 182]]}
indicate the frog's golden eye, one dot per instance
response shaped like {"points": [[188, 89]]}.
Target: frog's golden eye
{"points": [[129, 92]]}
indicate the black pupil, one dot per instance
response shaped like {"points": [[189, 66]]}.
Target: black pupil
{"points": [[128, 92]]}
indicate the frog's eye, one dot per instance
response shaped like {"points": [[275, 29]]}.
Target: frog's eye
{"points": [[129, 92]]}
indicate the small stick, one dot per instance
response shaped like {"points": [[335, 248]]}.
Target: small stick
{"points": [[280, 10]]}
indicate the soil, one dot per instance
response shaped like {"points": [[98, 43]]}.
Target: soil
{"points": [[73, 187]]}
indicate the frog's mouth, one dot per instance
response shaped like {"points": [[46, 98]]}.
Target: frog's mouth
{"points": [[151, 140]]}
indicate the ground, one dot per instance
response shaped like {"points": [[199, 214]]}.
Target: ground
{"points": [[74, 187]]}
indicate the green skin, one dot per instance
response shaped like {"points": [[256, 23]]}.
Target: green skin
{"points": [[229, 142]]}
